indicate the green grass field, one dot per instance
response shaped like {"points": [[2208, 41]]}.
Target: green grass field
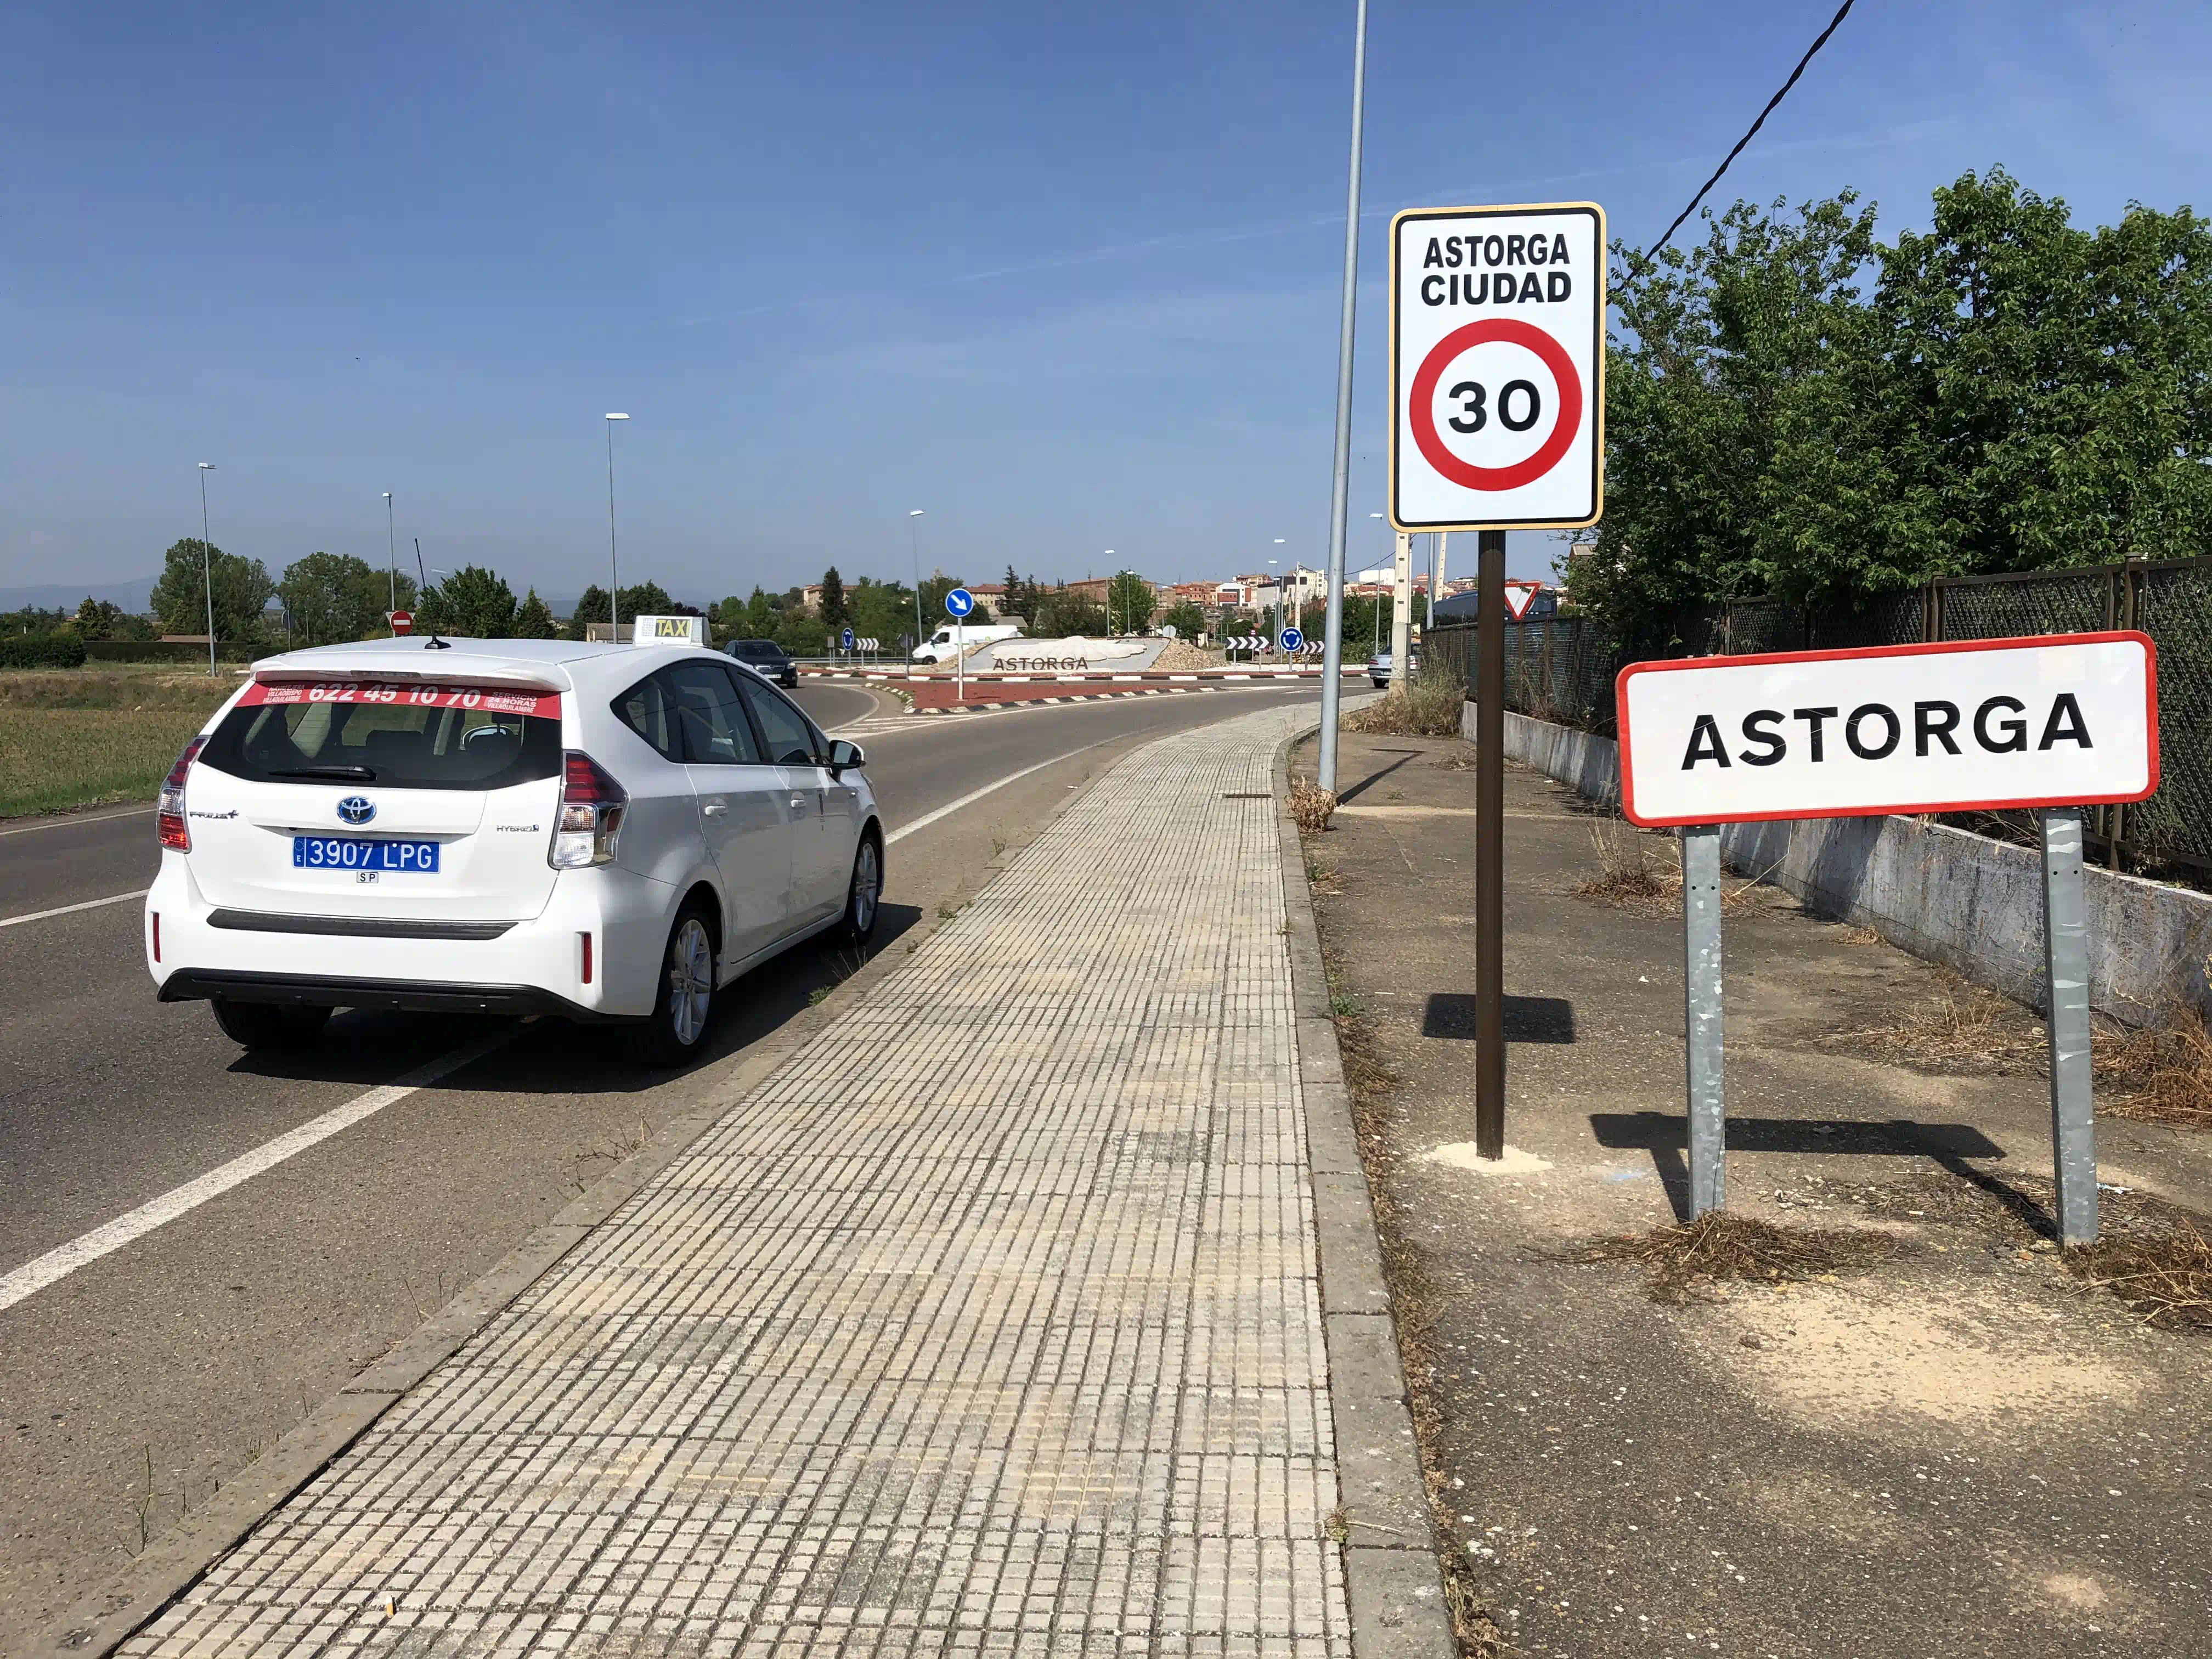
{"points": [[72, 738]]}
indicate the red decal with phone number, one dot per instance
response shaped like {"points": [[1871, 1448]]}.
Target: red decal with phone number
{"points": [[379, 694]]}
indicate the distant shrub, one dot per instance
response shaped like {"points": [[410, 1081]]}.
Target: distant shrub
{"points": [[62, 648]]}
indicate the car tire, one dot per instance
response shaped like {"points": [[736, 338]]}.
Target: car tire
{"points": [[864, 893], [270, 1024], [684, 1005]]}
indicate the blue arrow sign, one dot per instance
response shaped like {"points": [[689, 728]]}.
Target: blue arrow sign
{"points": [[959, 601], [1291, 640], [846, 639]]}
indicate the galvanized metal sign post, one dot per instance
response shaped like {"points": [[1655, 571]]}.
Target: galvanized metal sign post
{"points": [[1497, 424], [2052, 724]]}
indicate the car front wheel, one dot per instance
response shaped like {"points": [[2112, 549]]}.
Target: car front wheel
{"points": [[863, 894], [686, 999]]}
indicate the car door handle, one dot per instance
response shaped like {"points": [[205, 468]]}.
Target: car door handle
{"points": [[715, 808], [798, 801]]}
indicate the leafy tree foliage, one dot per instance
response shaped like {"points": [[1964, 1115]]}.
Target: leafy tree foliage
{"points": [[179, 597], [645, 599], [802, 633], [880, 610], [1795, 407], [1018, 600], [473, 602], [832, 609], [1131, 602], [1186, 618], [330, 597], [533, 620], [1059, 614]]}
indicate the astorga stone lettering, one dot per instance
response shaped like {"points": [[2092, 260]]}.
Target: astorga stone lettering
{"points": [[1874, 731]]}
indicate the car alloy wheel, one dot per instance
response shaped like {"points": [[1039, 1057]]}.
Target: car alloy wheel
{"points": [[866, 894], [690, 980]]}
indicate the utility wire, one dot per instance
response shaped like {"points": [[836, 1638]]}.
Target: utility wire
{"points": [[1843, 12]]}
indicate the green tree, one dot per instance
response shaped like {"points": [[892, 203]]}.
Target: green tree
{"points": [[533, 620], [1017, 603], [179, 597], [645, 599], [330, 597], [832, 609], [934, 587], [1063, 614], [802, 635], [1186, 618], [473, 603], [96, 619], [1130, 602], [881, 611]]}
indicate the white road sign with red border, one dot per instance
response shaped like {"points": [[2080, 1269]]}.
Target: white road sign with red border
{"points": [[1519, 596], [1971, 725], [1498, 366]]}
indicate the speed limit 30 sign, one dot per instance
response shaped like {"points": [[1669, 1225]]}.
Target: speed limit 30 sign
{"points": [[1498, 366]]}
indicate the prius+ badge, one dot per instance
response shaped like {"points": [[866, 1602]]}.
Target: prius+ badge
{"points": [[356, 809]]}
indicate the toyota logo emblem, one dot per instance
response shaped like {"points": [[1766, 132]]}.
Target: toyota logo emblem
{"points": [[356, 809]]}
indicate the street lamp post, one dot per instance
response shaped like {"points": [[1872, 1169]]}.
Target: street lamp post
{"points": [[1278, 602], [916, 541], [614, 564], [1332, 679], [390, 551], [1110, 574], [207, 563]]}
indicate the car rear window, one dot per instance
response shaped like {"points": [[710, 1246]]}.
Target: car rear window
{"points": [[395, 737]]}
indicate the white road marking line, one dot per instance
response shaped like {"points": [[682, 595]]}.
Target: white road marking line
{"points": [[67, 909], [974, 795], [76, 818], [65, 1259]]}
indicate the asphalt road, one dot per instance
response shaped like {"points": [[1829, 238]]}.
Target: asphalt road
{"points": [[132, 1386]]}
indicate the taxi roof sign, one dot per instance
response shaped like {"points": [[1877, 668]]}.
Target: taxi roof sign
{"points": [[668, 630], [1498, 366]]}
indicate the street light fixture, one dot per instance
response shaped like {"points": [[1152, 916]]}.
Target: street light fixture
{"points": [[207, 564], [614, 565], [915, 538], [1110, 574]]}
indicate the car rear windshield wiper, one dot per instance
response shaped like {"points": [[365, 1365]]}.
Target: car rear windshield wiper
{"points": [[353, 773]]}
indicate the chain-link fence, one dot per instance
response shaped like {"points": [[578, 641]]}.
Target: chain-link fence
{"points": [[1562, 669]]}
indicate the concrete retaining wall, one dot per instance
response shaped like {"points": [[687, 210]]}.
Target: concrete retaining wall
{"points": [[1974, 904]]}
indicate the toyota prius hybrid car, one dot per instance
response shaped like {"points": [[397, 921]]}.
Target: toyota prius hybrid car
{"points": [[604, 832]]}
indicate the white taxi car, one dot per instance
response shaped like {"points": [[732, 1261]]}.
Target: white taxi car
{"points": [[604, 832]]}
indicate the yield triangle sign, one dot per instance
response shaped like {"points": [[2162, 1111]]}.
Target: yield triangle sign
{"points": [[1519, 596]]}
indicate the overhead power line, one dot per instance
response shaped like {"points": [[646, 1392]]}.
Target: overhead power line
{"points": [[1842, 12]]}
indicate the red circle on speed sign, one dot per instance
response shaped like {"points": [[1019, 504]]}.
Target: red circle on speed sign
{"points": [[402, 622], [1509, 330]]}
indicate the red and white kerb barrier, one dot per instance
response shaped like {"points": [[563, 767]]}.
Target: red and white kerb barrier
{"points": [[1978, 725]]}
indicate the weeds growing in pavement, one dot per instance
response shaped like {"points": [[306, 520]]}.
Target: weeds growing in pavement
{"points": [[1428, 708], [1720, 1245], [2161, 1074], [1310, 807], [2164, 1279], [1628, 877]]}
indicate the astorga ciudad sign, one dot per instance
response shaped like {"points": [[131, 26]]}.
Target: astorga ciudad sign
{"points": [[1972, 725]]}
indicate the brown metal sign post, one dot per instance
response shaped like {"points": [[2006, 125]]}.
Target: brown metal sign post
{"points": [[1490, 847]]}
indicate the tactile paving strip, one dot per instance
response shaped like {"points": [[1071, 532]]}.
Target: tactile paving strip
{"points": [[989, 1325]]}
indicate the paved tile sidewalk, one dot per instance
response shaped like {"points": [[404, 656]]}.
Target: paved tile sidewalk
{"points": [[989, 1325]]}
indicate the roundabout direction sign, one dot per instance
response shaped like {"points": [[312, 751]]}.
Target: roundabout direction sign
{"points": [[1291, 640], [1497, 368]]}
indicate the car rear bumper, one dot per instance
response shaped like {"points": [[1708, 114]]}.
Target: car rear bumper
{"points": [[534, 965], [414, 996]]}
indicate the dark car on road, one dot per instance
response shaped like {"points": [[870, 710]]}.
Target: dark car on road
{"points": [[773, 661]]}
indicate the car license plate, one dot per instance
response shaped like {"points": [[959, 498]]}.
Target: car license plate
{"points": [[363, 852]]}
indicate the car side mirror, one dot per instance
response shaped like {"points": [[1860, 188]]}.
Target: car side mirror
{"points": [[845, 756]]}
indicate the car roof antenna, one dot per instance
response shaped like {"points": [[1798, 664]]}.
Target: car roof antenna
{"points": [[434, 643]]}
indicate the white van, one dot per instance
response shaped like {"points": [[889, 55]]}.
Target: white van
{"points": [[951, 639]]}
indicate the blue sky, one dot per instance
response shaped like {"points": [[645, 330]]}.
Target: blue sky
{"points": [[1064, 277]]}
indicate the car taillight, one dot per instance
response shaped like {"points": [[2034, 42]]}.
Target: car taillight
{"points": [[169, 808], [590, 814]]}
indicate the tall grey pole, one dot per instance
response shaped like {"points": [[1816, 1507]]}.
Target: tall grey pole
{"points": [[207, 563], [1701, 1017], [614, 564], [2066, 977], [1332, 669], [1490, 847], [391, 549], [916, 540]]}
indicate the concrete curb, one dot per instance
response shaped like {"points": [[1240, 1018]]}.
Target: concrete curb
{"points": [[102, 1621], [1391, 1572]]}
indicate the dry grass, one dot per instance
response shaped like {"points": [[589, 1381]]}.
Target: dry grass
{"points": [[1634, 875], [1720, 1245], [2165, 1278], [71, 737], [1429, 708], [2161, 1073], [1310, 807]]}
